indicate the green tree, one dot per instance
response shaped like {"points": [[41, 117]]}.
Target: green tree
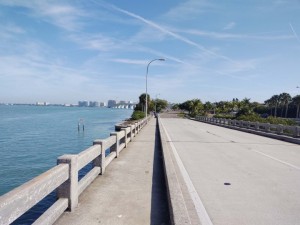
{"points": [[296, 102], [139, 110], [137, 115], [268, 103], [195, 105], [186, 106], [245, 108], [274, 101], [208, 107], [285, 99], [192, 106], [142, 103], [160, 105], [175, 107]]}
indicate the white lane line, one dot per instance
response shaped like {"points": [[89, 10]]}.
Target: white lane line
{"points": [[278, 160], [201, 211]]}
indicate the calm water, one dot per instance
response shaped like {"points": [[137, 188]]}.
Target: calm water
{"points": [[32, 137]]}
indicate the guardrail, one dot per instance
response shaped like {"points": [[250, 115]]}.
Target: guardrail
{"points": [[283, 132], [64, 178]]}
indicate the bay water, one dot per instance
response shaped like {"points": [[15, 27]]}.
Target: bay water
{"points": [[32, 137]]}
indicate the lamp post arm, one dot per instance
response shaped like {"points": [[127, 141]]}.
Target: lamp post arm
{"points": [[146, 108]]}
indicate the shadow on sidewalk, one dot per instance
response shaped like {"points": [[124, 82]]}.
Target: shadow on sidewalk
{"points": [[159, 202]]}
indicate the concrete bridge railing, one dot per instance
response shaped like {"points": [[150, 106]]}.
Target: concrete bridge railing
{"points": [[64, 178], [177, 206], [283, 132]]}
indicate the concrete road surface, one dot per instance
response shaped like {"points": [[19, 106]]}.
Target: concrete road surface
{"points": [[234, 177]]}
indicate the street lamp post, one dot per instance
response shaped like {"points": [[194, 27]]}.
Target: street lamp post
{"points": [[146, 108]]}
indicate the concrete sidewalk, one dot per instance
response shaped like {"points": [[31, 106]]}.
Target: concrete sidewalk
{"points": [[132, 190]]}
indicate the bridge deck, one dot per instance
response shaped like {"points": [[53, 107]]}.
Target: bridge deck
{"points": [[235, 177], [132, 190]]}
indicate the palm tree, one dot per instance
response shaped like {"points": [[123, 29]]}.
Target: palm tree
{"points": [[246, 107], [195, 105], [208, 106], [269, 104], [274, 100], [296, 101], [285, 99]]}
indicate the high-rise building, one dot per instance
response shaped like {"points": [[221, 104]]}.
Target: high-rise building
{"points": [[83, 103], [111, 103], [123, 102], [94, 104]]}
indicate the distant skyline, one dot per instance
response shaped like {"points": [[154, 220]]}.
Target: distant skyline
{"points": [[63, 51]]}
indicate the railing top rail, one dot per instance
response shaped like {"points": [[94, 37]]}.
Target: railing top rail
{"points": [[16, 202], [88, 155]]}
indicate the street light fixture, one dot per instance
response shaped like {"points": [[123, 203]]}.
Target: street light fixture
{"points": [[146, 108]]}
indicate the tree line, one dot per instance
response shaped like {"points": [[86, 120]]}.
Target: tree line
{"points": [[281, 105]]}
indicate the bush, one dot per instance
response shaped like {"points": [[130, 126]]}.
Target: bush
{"points": [[257, 118], [270, 119], [137, 115]]}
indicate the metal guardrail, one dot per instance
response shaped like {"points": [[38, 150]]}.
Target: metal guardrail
{"points": [[64, 178]]}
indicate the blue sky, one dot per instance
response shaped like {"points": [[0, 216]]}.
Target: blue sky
{"points": [[62, 51]]}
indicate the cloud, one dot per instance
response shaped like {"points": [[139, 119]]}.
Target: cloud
{"points": [[130, 61], [10, 30], [168, 32], [229, 26], [294, 32], [64, 16], [59, 14], [218, 35], [187, 10], [97, 42]]}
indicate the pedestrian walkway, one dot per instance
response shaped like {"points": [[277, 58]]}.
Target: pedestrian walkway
{"points": [[132, 190]]}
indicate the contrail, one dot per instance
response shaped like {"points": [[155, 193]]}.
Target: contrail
{"points": [[294, 32], [166, 31]]}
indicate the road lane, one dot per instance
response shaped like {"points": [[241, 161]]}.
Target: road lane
{"points": [[263, 173]]}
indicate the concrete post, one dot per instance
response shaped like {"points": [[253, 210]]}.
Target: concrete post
{"points": [[102, 155], [131, 133], [136, 127], [267, 127], [256, 125], [242, 123], [234, 122], [133, 130], [69, 189], [279, 129], [115, 147], [125, 138], [296, 131]]}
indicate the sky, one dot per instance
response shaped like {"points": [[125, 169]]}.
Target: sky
{"points": [[65, 51]]}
